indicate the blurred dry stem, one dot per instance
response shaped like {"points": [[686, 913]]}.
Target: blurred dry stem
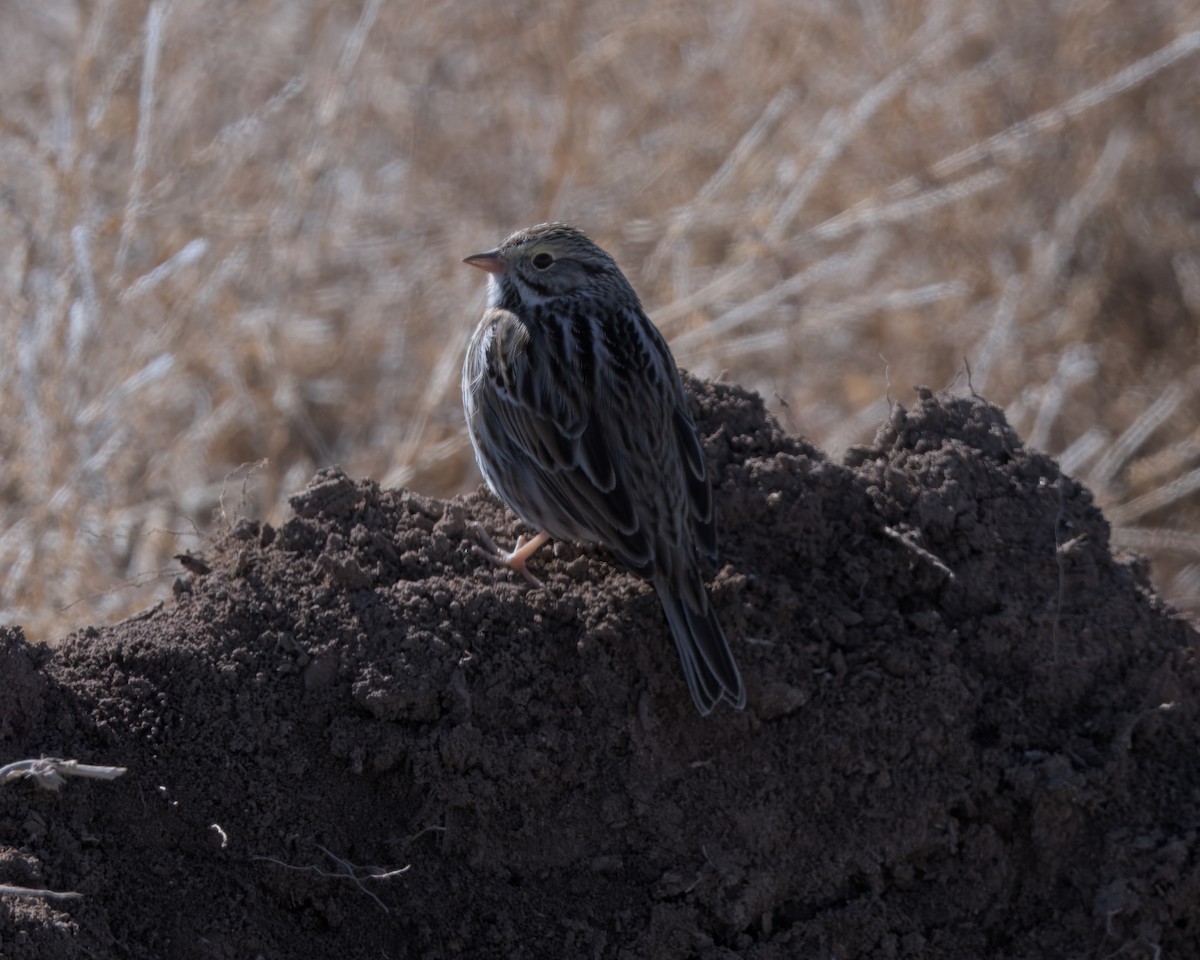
{"points": [[230, 233]]}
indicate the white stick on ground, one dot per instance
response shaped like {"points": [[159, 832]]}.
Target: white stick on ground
{"points": [[6, 890], [51, 772]]}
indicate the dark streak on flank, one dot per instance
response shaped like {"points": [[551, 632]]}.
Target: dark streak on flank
{"points": [[585, 347]]}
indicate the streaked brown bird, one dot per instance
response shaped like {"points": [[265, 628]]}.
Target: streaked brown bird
{"points": [[580, 424]]}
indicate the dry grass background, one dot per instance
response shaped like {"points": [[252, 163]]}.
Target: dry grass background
{"points": [[230, 232]]}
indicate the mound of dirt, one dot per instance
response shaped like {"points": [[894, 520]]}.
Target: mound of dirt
{"points": [[971, 731]]}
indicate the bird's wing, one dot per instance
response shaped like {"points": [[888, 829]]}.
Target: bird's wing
{"points": [[565, 452], [695, 473]]}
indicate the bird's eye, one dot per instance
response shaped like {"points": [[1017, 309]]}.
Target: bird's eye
{"points": [[542, 260]]}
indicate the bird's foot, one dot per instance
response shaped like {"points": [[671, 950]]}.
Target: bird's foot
{"points": [[513, 559]]}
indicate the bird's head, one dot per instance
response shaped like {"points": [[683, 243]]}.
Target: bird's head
{"points": [[547, 261]]}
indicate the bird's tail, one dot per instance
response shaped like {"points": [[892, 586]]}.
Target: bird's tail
{"points": [[704, 652]]}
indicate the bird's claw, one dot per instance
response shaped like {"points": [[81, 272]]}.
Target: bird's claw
{"points": [[513, 559]]}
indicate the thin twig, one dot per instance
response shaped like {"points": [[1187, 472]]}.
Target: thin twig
{"points": [[346, 871], [919, 551]]}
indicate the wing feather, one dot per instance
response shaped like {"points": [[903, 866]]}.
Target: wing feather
{"points": [[698, 487], [561, 452], [550, 454]]}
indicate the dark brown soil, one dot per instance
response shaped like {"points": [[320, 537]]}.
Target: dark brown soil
{"points": [[971, 731]]}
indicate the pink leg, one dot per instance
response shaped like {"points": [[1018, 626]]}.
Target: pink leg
{"points": [[513, 559]]}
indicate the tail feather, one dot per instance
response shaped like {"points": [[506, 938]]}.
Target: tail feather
{"points": [[708, 663]]}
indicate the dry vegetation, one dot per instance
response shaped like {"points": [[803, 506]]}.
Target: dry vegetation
{"points": [[230, 232]]}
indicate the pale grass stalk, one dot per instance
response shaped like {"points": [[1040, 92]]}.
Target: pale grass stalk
{"points": [[842, 127], [14, 271], [84, 312], [1168, 461], [910, 208], [721, 288], [152, 48], [17, 551], [151, 372], [443, 380], [1136, 434], [63, 127], [1050, 252], [1023, 406], [1076, 365], [190, 253], [236, 137], [119, 67], [1031, 401], [89, 47], [823, 270], [746, 146], [1157, 540], [1083, 449], [215, 422], [823, 320], [351, 51], [425, 457], [1163, 496], [288, 398], [611, 45], [1053, 118], [1184, 592], [751, 141], [712, 357], [1000, 341], [29, 354], [109, 406], [61, 497], [230, 267], [111, 443]]}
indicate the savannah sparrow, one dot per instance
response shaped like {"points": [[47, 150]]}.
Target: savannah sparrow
{"points": [[580, 424]]}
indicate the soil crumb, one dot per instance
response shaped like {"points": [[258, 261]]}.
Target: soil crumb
{"points": [[971, 730]]}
